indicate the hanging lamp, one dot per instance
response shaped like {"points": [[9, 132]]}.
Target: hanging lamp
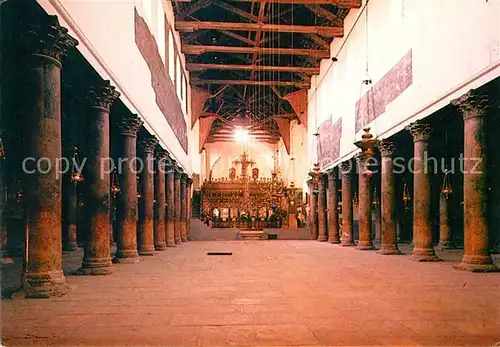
{"points": [[76, 175]]}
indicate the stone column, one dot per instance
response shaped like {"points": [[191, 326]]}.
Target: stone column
{"points": [[46, 45], [389, 239], [126, 241], [445, 240], [347, 211], [313, 212], [333, 212], [177, 202], [146, 204], [422, 229], [70, 236], [309, 214], [322, 213], [159, 217], [183, 216], [97, 250], [189, 207], [474, 106], [170, 206], [365, 204]]}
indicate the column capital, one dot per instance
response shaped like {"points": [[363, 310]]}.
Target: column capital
{"points": [[346, 167], [129, 124], [361, 158], [184, 177], [189, 181], [161, 154], [177, 174], [387, 148], [148, 143], [472, 104], [102, 95], [333, 174], [48, 38], [421, 131]]}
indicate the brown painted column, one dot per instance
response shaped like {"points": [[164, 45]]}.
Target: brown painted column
{"points": [[309, 214], [126, 240], [346, 238], [313, 211], [474, 107], [189, 206], [97, 250], [46, 46], [160, 197], [445, 241], [389, 239], [183, 217], [145, 230], [322, 213], [422, 229], [365, 204], [333, 212], [170, 205], [177, 201]]}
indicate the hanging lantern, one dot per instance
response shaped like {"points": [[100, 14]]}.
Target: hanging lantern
{"points": [[76, 176], [375, 201], [446, 189], [368, 143], [139, 195], [115, 188], [355, 201], [2, 149], [406, 196]]}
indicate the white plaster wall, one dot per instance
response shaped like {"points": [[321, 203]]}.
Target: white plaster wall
{"points": [[105, 30], [455, 47]]}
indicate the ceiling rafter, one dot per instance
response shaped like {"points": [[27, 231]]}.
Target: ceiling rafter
{"points": [[236, 10], [197, 82], [326, 31], [200, 49], [339, 3], [319, 41], [193, 8], [236, 36], [252, 67], [321, 11]]}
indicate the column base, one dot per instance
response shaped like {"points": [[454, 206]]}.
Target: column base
{"points": [[424, 254], [334, 240], [95, 267], [443, 245], [126, 257], [347, 243], [322, 238], [389, 251], [160, 246], [171, 243], [365, 246], [45, 285], [184, 239], [466, 266], [178, 240], [147, 251]]}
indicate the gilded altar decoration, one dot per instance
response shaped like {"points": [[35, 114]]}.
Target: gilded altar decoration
{"points": [[244, 201], [232, 173], [255, 173]]}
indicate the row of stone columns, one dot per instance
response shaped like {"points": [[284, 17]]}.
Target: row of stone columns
{"points": [[473, 107], [45, 46]]}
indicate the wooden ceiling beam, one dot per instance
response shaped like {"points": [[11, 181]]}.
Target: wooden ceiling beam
{"points": [[302, 85], [326, 31], [237, 37], [322, 43], [321, 11], [339, 3], [253, 67], [197, 50], [236, 10], [192, 9]]}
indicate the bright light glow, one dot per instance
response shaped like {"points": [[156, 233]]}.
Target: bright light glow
{"points": [[241, 135]]}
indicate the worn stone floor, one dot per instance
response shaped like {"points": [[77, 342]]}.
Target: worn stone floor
{"points": [[268, 293]]}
